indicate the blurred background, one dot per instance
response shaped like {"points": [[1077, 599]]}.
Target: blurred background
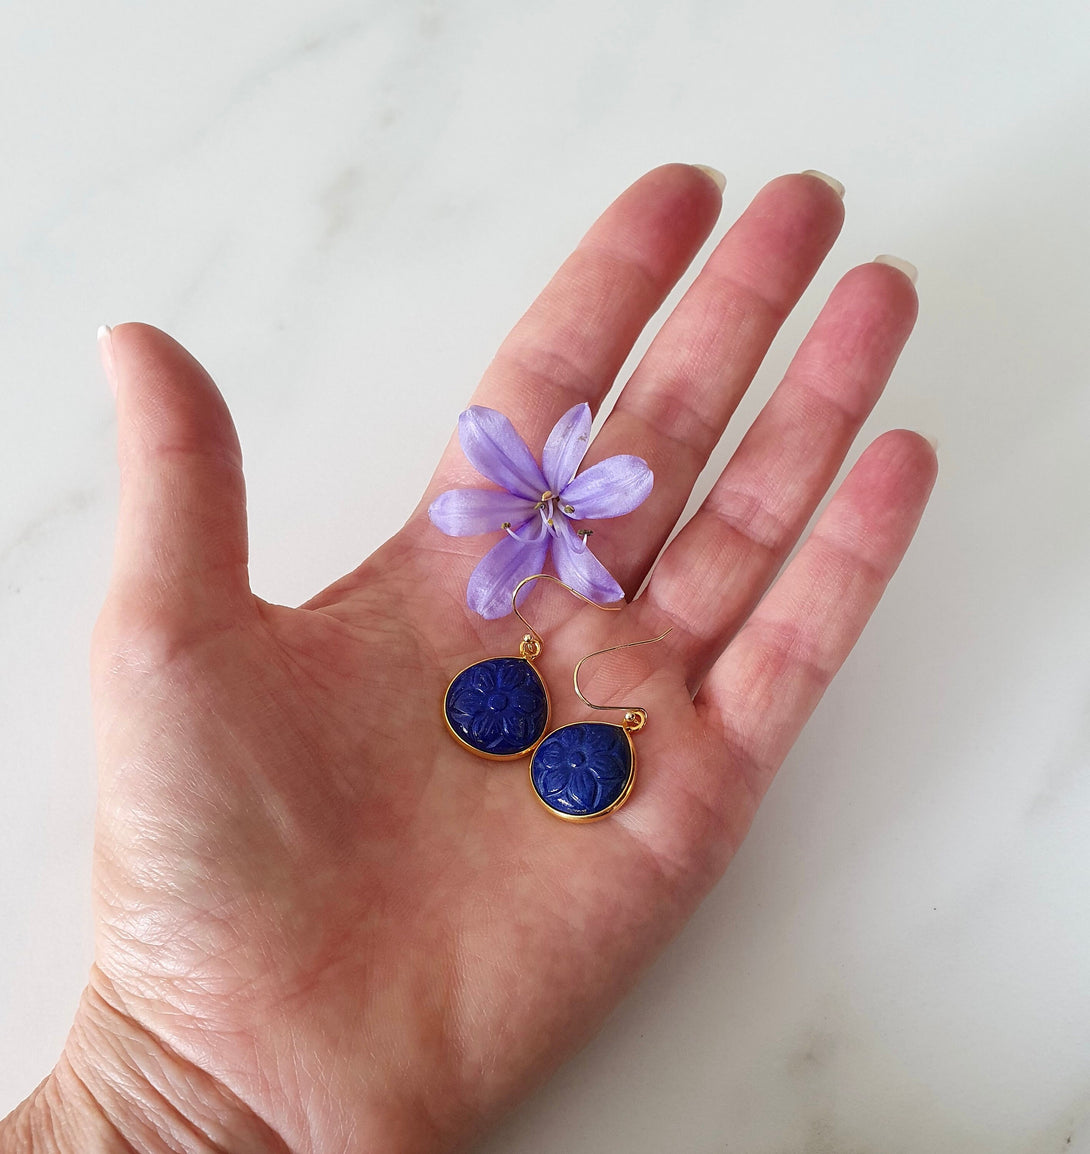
{"points": [[340, 208]]}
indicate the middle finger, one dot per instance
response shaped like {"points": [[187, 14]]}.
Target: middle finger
{"points": [[678, 401]]}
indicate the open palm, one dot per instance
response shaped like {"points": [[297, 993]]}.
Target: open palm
{"points": [[322, 925]]}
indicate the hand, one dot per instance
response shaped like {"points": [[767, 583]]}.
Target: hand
{"points": [[322, 925]]}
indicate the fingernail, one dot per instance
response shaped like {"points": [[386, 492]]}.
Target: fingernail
{"points": [[714, 173], [831, 181], [106, 355], [895, 262], [932, 441]]}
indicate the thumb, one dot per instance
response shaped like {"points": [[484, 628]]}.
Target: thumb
{"points": [[181, 537]]}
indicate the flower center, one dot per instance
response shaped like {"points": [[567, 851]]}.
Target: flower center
{"points": [[497, 702], [577, 759]]}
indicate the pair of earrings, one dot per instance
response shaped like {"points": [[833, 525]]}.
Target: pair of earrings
{"points": [[499, 709]]}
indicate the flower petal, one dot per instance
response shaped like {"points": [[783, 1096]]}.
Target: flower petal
{"points": [[503, 567], [468, 512], [582, 789], [495, 450], [614, 486], [554, 781], [566, 446], [578, 567]]}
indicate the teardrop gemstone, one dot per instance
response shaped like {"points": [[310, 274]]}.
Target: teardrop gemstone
{"points": [[498, 707], [584, 771]]}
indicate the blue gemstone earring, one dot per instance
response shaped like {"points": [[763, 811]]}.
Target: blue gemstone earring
{"points": [[586, 770], [499, 708]]}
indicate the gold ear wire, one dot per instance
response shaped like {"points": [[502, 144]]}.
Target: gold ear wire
{"points": [[531, 643], [635, 717]]}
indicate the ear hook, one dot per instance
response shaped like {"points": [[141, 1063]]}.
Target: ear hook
{"points": [[635, 717], [531, 643]]}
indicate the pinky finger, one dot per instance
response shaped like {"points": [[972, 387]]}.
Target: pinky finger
{"points": [[763, 688]]}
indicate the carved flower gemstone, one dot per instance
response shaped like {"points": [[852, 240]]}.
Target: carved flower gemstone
{"points": [[498, 706], [581, 770]]}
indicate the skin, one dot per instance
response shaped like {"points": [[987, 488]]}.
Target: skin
{"points": [[322, 925]]}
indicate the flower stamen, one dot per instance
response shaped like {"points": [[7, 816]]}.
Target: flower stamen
{"points": [[511, 533]]}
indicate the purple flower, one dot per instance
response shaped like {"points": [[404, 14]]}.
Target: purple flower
{"points": [[536, 506]]}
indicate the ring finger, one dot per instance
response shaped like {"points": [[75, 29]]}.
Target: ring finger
{"points": [[719, 565]]}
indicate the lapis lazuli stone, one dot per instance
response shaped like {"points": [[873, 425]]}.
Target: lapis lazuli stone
{"points": [[581, 770], [498, 706]]}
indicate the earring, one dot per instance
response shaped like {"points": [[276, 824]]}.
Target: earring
{"points": [[499, 708], [586, 770]]}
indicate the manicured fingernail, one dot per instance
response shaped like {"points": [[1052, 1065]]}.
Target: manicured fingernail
{"points": [[106, 355], [932, 441], [895, 262], [831, 181], [714, 173]]}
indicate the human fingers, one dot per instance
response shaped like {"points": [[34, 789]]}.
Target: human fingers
{"points": [[572, 341], [760, 692], [675, 407], [721, 562], [181, 550]]}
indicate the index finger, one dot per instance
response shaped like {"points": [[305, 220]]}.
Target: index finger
{"points": [[572, 341]]}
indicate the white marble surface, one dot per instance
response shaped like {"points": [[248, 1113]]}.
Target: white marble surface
{"points": [[341, 208]]}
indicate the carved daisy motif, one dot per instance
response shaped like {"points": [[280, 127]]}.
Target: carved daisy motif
{"points": [[582, 769]]}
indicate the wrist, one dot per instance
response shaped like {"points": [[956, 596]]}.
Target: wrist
{"points": [[118, 1090]]}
